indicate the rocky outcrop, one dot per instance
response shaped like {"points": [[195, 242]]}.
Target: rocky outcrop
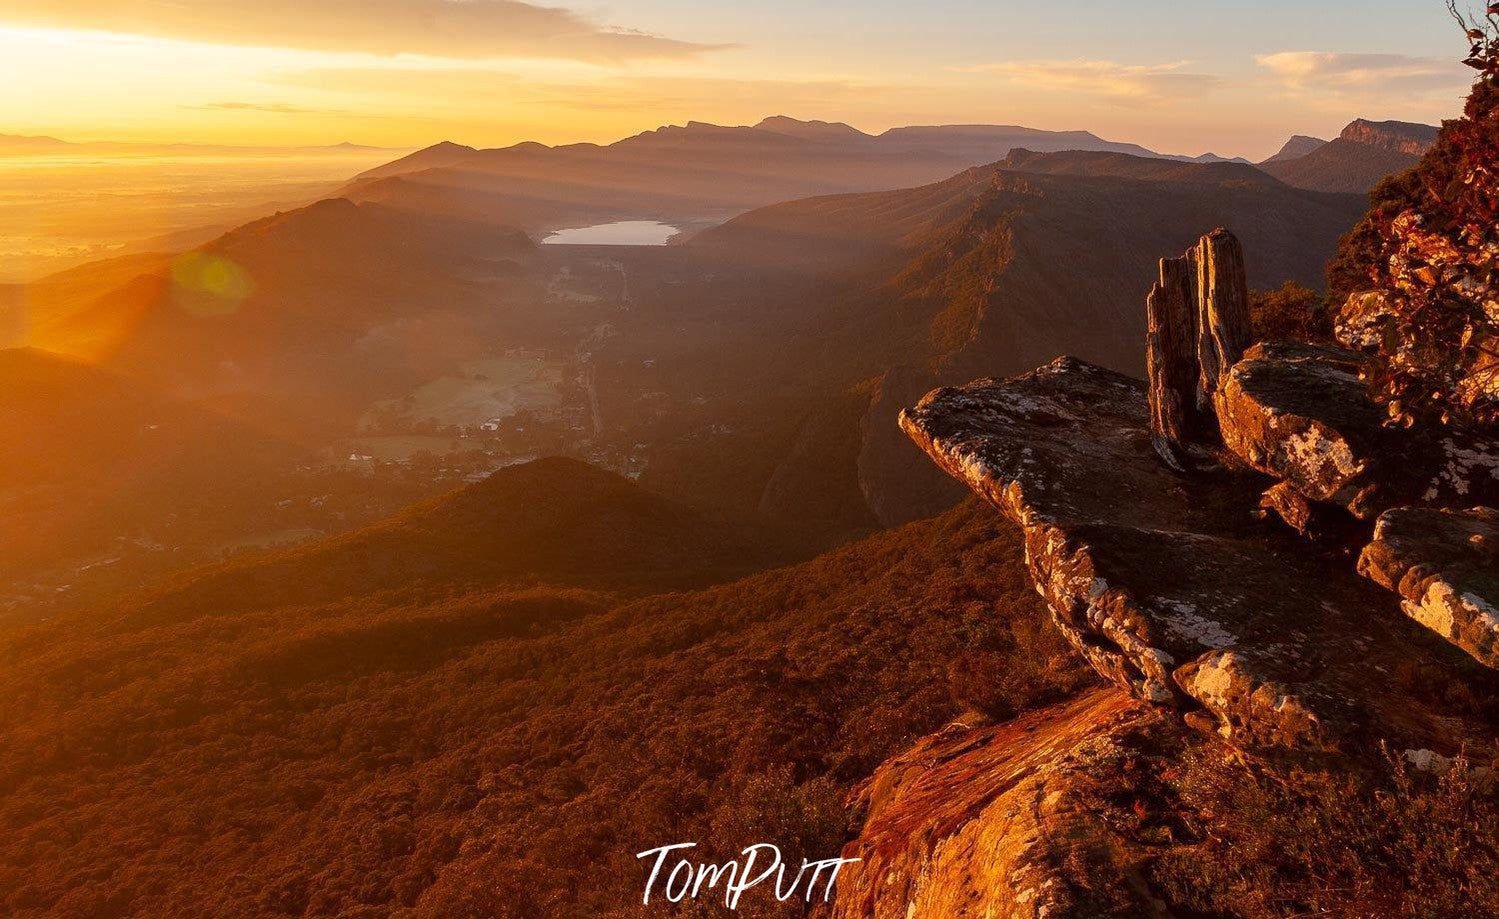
{"points": [[1406, 137], [1011, 821], [1445, 566], [1300, 413], [1421, 270], [1174, 592], [1197, 326]]}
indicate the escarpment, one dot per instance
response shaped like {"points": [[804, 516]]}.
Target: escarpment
{"points": [[1155, 518]]}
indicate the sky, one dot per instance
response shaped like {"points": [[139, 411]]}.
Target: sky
{"points": [[1235, 78]]}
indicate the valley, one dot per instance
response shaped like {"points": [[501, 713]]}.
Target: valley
{"points": [[750, 368], [423, 532]]}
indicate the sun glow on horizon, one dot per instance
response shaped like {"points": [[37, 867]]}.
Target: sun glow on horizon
{"points": [[196, 79]]}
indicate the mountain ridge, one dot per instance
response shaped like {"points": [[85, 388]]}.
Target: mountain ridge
{"points": [[1362, 154], [697, 171]]}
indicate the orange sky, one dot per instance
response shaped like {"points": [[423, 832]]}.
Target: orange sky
{"points": [[490, 72]]}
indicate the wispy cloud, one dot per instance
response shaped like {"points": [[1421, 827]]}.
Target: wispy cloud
{"points": [[1125, 84], [468, 29], [468, 86], [1350, 72], [272, 108]]}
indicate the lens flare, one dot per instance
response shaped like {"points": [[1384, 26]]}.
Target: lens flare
{"points": [[206, 284]]}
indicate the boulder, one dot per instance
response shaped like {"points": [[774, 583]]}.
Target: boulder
{"points": [[1445, 566], [1009, 822], [1172, 589], [1302, 414]]}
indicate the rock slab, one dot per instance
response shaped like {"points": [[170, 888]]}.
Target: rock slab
{"points": [[1445, 566], [1172, 590]]}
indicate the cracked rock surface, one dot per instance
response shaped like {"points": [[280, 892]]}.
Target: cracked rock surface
{"points": [[1006, 822], [1170, 588], [1301, 413]]}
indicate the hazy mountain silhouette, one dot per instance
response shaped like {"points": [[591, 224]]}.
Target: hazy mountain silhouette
{"points": [[441, 154], [551, 521], [694, 171], [830, 131], [1298, 146], [88, 455], [281, 305], [42, 144]]}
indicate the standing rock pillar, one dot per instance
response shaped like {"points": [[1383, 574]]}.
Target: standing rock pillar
{"points": [[1222, 310], [1197, 327], [1171, 358]]}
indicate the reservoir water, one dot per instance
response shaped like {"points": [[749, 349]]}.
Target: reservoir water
{"points": [[618, 233]]}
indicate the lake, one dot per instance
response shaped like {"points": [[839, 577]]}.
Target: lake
{"points": [[618, 233]]}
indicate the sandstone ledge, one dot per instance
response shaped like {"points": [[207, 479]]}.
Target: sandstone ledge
{"points": [[1170, 588], [1445, 564]]}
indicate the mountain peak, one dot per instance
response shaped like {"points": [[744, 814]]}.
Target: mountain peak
{"points": [[1298, 146], [448, 146], [811, 130], [442, 153], [1398, 136]]}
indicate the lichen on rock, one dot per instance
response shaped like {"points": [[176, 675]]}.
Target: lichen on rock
{"points": [[1169, 588]]}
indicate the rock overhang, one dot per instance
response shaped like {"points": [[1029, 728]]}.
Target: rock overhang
{"points": [[1170, 587]]}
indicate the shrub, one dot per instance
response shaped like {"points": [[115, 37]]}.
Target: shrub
{"points": [[1388, 842], [1290, 312]]}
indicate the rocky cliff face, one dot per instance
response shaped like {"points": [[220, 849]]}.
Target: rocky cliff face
{"points": [[1280, 554], [1399, 136], [1445, 566], [1356, 160], [1170, 588], [1303, 414]]}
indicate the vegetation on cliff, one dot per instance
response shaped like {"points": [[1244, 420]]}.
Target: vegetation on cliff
{"points": [[1430, 245]]}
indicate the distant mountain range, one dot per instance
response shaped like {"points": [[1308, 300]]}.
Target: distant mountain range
{"points": [[1298, 146], [697, 171], [308, 317], [700, 173], [999, 268], [1364, 153]]}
